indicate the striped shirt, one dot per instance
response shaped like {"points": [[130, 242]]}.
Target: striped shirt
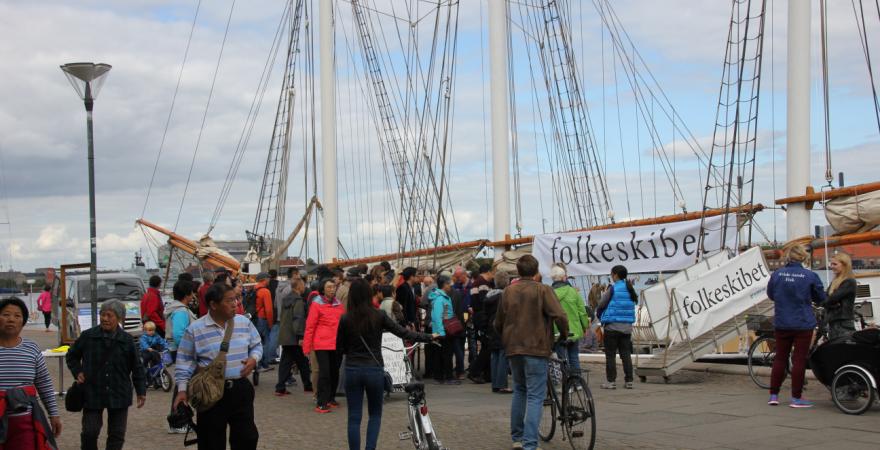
{"points": [[24, 365], [201, 344]]}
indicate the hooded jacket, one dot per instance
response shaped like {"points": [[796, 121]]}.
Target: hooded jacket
{"points": [[322, 324], [177, 317], [574, 307], [439, 300], [792, 289]]}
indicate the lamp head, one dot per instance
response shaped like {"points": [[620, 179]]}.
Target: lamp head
{"points": [[86, 78]]}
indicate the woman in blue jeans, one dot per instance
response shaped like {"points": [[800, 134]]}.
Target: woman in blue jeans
{"points": [[359, 337]]}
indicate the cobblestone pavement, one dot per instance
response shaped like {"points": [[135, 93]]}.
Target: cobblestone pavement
{"points": [[694, 410]]}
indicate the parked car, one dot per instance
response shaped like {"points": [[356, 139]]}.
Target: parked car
{"points": [[126, 287]]}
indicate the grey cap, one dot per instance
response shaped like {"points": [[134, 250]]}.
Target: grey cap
{"points": [[262, 276]]}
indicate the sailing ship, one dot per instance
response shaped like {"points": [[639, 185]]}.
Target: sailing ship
{"points": [[404, 103]]}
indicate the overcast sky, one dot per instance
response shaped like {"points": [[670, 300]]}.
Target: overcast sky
{"points": [[43, 148]]}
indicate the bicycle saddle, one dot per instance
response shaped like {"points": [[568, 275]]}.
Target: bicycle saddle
{"points": [[414, 386]]}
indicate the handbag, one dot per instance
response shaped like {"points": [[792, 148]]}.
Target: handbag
{"points": [[206, 386], [75, 397], [389, 382], [452, 325]]}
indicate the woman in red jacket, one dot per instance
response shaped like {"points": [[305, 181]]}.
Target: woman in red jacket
{"points": [[321, 327]]}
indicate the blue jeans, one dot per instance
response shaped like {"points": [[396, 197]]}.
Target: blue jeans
{"points": [[272, 351], [265, 332], [357, 381], [569, 352], [529, 390], [499, 369]]}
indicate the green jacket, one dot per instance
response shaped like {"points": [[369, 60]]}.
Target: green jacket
{"points": [[575, 309], [109, 386]]}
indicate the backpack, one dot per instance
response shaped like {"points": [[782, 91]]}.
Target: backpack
{"points": [[249, 302]]}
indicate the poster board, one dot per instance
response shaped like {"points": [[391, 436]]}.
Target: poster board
{"points": [[657, 299], [723, 292], [394, 357]]}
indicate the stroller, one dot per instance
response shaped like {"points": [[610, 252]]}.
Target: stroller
{"points": [[850, 368]]}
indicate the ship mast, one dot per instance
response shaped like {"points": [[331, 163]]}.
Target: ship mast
{"points": [[797, 166], [498, 61], [328, 129]]}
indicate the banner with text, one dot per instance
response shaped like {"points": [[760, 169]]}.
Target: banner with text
{"points": [[648, 248], [721, 293]]}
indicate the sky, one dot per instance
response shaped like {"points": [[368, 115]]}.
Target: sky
{"points": [[43, 171]]}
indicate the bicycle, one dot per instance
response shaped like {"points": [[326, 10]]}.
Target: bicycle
{"points": [[421, 430], [762, 352], [158, 375], [575, 410]]}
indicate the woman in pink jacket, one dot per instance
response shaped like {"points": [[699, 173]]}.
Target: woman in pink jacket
{"points": [[321, 327], [44, 304]]}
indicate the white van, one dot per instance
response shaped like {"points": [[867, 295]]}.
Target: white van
{"points": [[125, 287]]}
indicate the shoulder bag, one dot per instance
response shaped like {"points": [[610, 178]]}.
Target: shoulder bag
{"points": [[452, 325], [75, 397], [206, 386], [389, 382]]}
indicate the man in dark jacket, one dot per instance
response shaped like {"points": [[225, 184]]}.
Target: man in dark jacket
{"points": [[479, 370], [407, 298], [106, 363], [293, 328], [525, 320]]}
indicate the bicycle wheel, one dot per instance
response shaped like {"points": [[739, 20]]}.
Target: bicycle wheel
{"points": [[165, 379], [417, 433], [761, 354], [549, 414], [579, 414], [851, 391]]}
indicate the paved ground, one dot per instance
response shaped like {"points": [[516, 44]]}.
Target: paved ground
{"points": [[695, 410]]}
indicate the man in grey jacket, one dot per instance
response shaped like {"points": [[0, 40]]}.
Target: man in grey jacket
{"points": [[290, 335]]}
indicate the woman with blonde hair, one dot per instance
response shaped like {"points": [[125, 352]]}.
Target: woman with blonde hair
{"points": [[793, 289], [841, 298]]}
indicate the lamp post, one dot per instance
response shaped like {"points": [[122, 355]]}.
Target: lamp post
{"points": [[87, 79]]}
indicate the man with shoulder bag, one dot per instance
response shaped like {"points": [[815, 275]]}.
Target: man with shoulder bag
{"points": [[219, 390]]}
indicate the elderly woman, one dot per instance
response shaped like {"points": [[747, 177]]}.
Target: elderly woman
{"points": [[106, 363], [576, 311], [793, 289], [23, 375]]}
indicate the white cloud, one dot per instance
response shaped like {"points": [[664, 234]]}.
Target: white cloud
{"points": [[42, 136]]}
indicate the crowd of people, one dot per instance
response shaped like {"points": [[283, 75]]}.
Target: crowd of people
{"points": [[489, 326]]}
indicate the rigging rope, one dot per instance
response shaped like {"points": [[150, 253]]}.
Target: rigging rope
{"points": [[204, 116], [823, 29], [250, 122], [866, 49], [171, 109]]}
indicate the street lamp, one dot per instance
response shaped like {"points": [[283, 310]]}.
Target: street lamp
{"points": [[87, 79]]}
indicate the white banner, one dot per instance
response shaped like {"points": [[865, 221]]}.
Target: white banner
{"points": [[648, 248], [393, 356], [721, 293]]}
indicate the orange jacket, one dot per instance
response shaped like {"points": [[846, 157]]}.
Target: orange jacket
{"points": [[264, 305]]}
